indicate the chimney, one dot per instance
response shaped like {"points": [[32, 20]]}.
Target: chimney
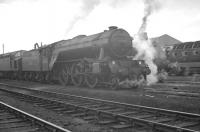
{"points": [[143, 36], [112, 27]]}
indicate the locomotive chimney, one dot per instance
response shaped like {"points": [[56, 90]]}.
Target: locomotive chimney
{"points": [[112, 27], [143, 36]]}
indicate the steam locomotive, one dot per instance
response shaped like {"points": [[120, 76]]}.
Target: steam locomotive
{"points": [[104, 58], [185, 58]]}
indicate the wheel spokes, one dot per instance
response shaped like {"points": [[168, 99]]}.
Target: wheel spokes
{"points": [[91, 80], [64, 76], [77, 77]]}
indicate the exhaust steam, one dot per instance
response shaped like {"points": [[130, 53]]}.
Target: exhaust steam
{"points": [[146, 50], [87, 7]]}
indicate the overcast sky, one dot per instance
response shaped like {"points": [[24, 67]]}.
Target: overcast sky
{"points": [[25, 22]]}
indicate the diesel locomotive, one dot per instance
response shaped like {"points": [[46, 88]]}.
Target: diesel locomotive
{"points": [[185, 57], [104, 58]]}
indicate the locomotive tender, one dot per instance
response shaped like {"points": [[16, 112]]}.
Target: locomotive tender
{"points": [[186, 56], [104, 58]]}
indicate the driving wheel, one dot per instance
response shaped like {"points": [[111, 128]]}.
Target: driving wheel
{"points": [[91, 80], [76, 74], [64, 76]]}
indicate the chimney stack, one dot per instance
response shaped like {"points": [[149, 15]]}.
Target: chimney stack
{"points": [[143, 36], [112, 27]]}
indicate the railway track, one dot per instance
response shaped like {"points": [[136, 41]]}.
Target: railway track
{"points": [[194, 80], [182, 82], [179, 93], [15, 120], [115, 115]]}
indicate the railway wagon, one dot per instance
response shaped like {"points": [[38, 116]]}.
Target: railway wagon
{"points": [[11, 64], [186, 57], [104, 58]]}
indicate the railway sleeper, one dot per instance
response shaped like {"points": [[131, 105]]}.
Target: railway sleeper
{"points": [[160, 119], [121, 126], [7, 117], [128, 112], [21, 129], [12, 120], [106, 108], [90, 117], [79, 114], [14, 125], [61, 109], [106, 122], [73, 111], [187, 124], [143, 115], [52, 107]]}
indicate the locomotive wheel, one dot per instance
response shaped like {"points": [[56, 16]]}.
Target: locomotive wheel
{"points": [[41, 77], [15, 76], [33, 76], [47, 77], [91, 80], [37, 76], [26, 76], [141, 80], [76, 75], [134, 81], [115, 82], [29, 76], [64, 76], [140, 77]]}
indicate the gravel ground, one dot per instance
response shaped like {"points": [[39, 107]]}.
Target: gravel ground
{"points": [[173, 102], [177, 86], [70, 123]]}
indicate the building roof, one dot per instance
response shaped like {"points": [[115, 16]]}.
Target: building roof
{"points": [[165, 40]]}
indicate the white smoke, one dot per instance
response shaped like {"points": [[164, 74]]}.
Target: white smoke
{"points": [[146, 50], [86, 8]]}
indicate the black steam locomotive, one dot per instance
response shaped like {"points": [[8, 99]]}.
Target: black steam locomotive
{"points": [[185, 58], [104, 58]]}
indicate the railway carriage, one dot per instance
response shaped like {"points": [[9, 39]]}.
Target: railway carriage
{"points": [[187, 57], [11, 64]]}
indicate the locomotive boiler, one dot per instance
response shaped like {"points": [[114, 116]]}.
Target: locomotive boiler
{"points": [[105, 58]]}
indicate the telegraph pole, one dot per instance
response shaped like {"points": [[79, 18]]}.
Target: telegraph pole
{"points": [[3, 48]]}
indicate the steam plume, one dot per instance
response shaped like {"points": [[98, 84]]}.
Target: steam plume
{"points": [[149, 7], [10, 1], [86, 8], [118, 3], [145, 49]]}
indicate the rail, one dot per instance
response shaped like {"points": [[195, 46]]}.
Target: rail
{"points": [[29, 121], [130, 115]]}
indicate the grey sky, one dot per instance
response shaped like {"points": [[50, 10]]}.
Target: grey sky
{"points": [[24, 22]]}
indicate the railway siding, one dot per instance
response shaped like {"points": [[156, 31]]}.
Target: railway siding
{"points": [[121, 114], [13, 119]]}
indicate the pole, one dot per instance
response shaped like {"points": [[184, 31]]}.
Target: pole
{"points": [[3, 48]]}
